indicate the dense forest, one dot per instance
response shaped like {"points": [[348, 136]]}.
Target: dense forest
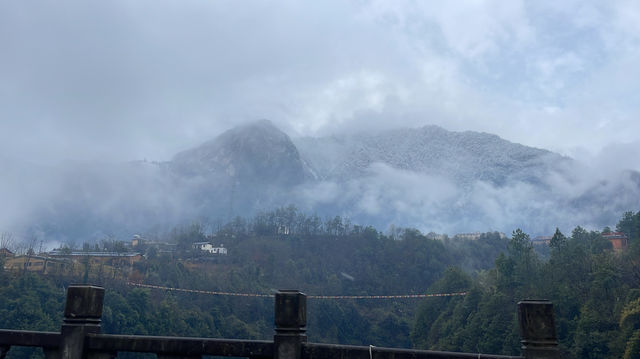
{"points": [[595, 290]]}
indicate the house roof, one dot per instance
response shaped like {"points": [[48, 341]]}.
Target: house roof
{"points": [[93, 254], [59, 260], [614, 235], [542, 238]]}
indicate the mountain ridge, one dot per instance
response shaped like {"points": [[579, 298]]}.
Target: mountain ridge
{"points": [[424, 149], [391, 147]]}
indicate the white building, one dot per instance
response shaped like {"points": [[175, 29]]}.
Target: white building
{"points": [[208, 247]]}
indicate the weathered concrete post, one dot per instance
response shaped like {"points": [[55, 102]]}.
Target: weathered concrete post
{"points": [[538, 329], [82, 315], [291, 324]]}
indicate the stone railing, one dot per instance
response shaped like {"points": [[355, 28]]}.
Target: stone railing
{"points": [[80, 336]]}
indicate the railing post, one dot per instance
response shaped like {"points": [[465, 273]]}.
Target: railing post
{"points": [[291, 324], [82, 315], [538, 330]]}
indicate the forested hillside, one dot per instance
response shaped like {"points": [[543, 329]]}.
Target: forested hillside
{"points": [[595, 291]]}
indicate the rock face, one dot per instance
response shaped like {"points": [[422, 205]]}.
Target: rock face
{"points": [[254, 153]]}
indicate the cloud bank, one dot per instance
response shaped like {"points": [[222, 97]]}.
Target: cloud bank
{"points": [[121, 80]]}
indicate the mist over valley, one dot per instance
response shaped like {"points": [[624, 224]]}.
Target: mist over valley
{"points": [[426, 178]]}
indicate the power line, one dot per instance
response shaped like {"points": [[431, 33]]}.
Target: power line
{"points": [[234, 294]]}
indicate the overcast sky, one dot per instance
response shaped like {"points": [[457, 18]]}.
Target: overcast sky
{"points": [[122, 80]]}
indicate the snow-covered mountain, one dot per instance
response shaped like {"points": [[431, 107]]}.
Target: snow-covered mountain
{"points": [[428, 178], [256, 152], [463, 157], [261, 153]]}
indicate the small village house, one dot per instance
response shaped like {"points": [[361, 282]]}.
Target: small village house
{"points": [[35, 263], [618, 240], [5, 252], [541, 240], [115, 259], [208, 247]]}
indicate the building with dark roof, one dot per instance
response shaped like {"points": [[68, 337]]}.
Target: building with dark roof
{"points": [[5, 252]]}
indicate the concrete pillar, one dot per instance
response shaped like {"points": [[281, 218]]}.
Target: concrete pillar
{"points": [[82, 315], [290, 324], [538, 330]]}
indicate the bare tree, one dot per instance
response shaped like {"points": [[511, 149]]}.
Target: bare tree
{"points": [[30, 244], [7, 240]]}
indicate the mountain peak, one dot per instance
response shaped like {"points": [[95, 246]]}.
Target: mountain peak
{"points": [[256, 151], [261, 123]]}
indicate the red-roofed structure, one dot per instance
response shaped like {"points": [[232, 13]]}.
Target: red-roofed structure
{"points": [[618, 240]]}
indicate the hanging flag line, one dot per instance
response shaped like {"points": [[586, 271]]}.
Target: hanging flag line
{"points": [[309, 296]]}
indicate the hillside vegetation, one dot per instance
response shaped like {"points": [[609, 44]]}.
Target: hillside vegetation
{"points": [[595, 291]]}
